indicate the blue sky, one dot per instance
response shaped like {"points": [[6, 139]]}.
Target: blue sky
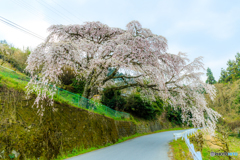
{"points": [[207, 28]]}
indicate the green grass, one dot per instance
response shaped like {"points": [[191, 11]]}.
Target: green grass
{"points": [[13, 83], [179, 146], [206, 154], [66, 101], [180, 150], [80, 150], [234, 146]]}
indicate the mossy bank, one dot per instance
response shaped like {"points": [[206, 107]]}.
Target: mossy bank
{"points": [[58, 128]]}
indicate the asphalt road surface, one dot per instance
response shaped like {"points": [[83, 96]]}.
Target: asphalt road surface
{"points": [[148, 147]]}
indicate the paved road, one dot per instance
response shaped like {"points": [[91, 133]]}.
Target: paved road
{"points": [[148, 147]]}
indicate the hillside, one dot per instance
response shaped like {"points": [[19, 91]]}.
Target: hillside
{"points": [[58, 129], [227, 102]]}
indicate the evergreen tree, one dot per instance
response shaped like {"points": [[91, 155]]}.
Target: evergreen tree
{"points": [[3, 42], [232, 73], [223, 76], [210, 79]]}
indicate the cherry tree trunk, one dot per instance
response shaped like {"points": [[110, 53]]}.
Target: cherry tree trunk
{"points": [[85, 97]]}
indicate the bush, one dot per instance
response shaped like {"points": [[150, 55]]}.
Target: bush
{"points": [[174, 116], [67, 76], [141, 108], [78, 86], [69, 81], [158, 106], [132, 104], [113, 99]]}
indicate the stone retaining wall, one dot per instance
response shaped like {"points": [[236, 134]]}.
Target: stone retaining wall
{"points": [[60, 128]]}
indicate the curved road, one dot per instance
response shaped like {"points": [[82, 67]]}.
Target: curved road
{"points": [[148, 147]]}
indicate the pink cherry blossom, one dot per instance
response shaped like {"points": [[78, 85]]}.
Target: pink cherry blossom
{"points": [[90, 49]]}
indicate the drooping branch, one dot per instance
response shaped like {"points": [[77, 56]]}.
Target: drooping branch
{"points": [[123, 76], [134, 85], [170, 81], [90, 49], [111, 76]]}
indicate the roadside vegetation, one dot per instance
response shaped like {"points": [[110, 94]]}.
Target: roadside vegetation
{"points": [[205, 144], [227, 103], [179, 150]]}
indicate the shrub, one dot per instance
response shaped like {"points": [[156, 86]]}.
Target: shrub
{"points": [[141, 108], [174, 116], [113, 99], [69, 81], [133, 104], [67, 76], [158, 106]]}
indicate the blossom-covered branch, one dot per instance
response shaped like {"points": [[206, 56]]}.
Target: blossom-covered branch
{"points": [[92, 48]]}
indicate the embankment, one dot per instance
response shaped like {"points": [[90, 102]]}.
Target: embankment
{"points": [[45, 131]]}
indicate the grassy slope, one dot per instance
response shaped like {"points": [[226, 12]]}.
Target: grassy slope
{"points": [[227, 103], [181, 152], [20, 85], [234, 146]]}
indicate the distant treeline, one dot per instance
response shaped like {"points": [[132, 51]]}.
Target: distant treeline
{"points": [[231, 74], [15, 56]]}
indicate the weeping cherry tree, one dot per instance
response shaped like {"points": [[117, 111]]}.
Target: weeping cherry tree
{"points": [[92, 48]]}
